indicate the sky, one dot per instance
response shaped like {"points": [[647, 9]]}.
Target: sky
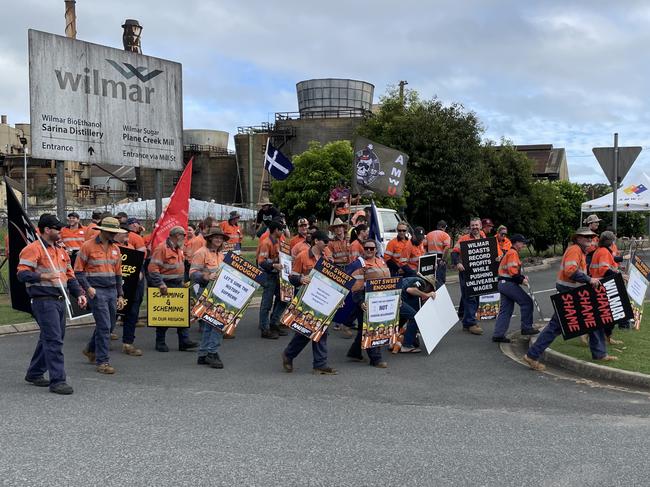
{"points": [[535, 72]]}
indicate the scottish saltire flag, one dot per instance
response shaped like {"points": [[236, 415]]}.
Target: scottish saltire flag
{"points": [[375, 233], [276, 163]]}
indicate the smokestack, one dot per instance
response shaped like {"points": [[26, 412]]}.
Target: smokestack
{"points": [[3, 119], [131, 36], [70, 19]]}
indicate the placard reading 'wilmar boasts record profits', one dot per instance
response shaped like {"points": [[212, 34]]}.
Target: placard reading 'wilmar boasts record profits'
{"points": [[481, 268], [586, 308], [311, 310], [92, 103], [381, 317], [224, 301]]}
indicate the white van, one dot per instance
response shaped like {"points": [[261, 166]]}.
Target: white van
{"points": [[388, 221]]}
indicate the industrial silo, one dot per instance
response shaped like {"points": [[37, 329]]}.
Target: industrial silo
{"points": [[334, 97]]}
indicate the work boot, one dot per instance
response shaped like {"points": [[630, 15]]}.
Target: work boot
{"points": [[474, 330], [324, 371], [346, 332], [355, 358], [280, 330], [269, 334], [89, 355], [287, 364], [129, 349], [105, 369], [201, 360], [213, 360], [162, 347], [534, 364], [114, 336], [61, 388], [501, 339], [39, 381], [530, 331], [187, 345], [380, 365]]}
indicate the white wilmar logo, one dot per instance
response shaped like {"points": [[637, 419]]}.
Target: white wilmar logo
{"points": [[94, 84]]}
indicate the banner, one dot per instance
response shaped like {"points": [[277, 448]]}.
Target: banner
{"points": [[132, 261], [177, 211], [481, 268], [378, 169], [286, 288], [311, 310], [586, 309], [436, 318], [381, 317], [488, 306], [637, 286], [171, 310], [224, 301]]}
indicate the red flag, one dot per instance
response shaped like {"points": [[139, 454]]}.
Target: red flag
{"points": [[177, 211]]}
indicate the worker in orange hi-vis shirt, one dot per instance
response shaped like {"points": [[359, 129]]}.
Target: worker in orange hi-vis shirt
{"points": [[438, 242], [235, 234], [592, 222], [339, 245], [74, 234], [303, 231], [411, 253], [268, 259], [393, 252], [503, 242], [91, 230]]}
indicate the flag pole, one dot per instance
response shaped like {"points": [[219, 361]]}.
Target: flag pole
{"points": [[68, 304]]}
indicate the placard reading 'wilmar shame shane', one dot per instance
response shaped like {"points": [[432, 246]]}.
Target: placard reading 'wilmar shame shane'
{"points": [[92, 103], [586, 308], [481, 268]]}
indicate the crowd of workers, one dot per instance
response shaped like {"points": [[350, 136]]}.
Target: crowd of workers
{"points": [[86, 260]]}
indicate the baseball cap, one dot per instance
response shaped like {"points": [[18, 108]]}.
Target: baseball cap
{"points": [[50, 221]]}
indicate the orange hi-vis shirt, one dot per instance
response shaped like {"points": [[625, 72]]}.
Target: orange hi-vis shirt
{"points": [[304, 263], [73, 238], [233, 231], [573, 260], [504, 245], [437, 242], [295, 240], [356, 250], [299, 248], [137, 242], [510, 264], [206, 260], [394, 250], [373, 268], [268, 249], [167, 265], [601, 262], [411, 255], [99, 266], [191, 246], [340, 249], [91, 231], [33, 261]]}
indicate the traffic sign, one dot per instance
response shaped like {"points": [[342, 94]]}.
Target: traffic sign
{"points": [[626, 157], [96, 104]]}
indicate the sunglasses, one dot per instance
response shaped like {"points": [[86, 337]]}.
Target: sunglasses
{"points": [[370, 248], [401, 231]]}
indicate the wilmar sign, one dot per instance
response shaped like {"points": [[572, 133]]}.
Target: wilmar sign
{"points": [[586, 309], [92, 103]]}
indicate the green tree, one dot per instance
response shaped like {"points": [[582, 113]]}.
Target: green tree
{"points": [[446, 174]]}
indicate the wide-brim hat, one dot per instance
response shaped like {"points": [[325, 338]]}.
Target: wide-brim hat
{"points": [[217, 232], [110, 224], [264, 201], [583, 232], [431, 279], [592, 219], [338, 223]]}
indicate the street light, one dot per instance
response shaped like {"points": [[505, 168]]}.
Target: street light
{"points": [[23, 141]]}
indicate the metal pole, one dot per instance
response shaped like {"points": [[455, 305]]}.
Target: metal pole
{"points": [[250, 170], [60, 190], [25, 177], [615, 181], [158, 192]]}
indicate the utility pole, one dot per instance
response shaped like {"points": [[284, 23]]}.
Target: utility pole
{"points": [[401, 91], [614, 206]]}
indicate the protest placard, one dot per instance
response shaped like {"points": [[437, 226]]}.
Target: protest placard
{"points": [[286, 288], [311, 310], [488, 306], [637, 286], [224, 301], [436, 318], [170, 310], [381, 317], [427, 264], [481, 267], [585, 308], [131, 266]]}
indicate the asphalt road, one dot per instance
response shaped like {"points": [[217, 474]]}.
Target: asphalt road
{"points": [[466, 415]]}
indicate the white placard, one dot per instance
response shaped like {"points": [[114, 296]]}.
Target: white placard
{"points": [[321, 296], [96, 104], [637, 286], [287, 262], [231, 289], [435, 318], [381, 307]]}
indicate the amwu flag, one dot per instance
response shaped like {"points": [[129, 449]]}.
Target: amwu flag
{"points": [[276, 163], [21, 232], [177, 211], [378, 169]]}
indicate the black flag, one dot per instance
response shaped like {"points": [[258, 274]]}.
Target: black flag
{"points": [[21, 233]]}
